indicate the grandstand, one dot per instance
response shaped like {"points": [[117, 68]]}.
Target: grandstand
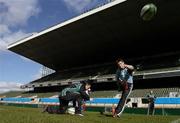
{"points": [[157, 68], [159, 92], [86, 46]]}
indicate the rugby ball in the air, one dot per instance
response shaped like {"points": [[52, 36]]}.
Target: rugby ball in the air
{"points": [[148, 12], [71, 110]]}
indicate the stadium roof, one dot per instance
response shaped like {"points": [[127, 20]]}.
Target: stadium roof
{"points": [[103, 34]]}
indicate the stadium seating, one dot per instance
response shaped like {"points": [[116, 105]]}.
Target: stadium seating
{"points": [[155, 62], [77, 73], [12, 99], [104, 101], [28, 94], [167, 101], [104, 94], [159, 92], [160, 100], [49, 100]]}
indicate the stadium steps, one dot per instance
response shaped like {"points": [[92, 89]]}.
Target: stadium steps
{"points": [[159, 92]]}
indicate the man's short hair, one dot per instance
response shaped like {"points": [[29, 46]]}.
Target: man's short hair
{"points": [[119, 59], [89, 81]]}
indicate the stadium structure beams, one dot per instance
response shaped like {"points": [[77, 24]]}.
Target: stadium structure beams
{"points": [[103, 34], [146, 75]]}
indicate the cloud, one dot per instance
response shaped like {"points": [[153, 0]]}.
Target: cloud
{"points": [[4, 29], [17, 12], [9, 38], [77, 5], [15, 15], [9, 86]]}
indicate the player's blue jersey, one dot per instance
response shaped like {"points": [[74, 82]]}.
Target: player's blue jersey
{"points": [[124, 75]]}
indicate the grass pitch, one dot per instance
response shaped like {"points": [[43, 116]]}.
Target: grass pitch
{"points": [[10, 114]]}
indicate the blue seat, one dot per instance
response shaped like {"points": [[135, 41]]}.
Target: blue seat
{"points": [[13, 99], [167, 100], [49, 100], [104, 101]]}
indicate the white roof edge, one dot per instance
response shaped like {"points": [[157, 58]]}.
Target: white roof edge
{"points": [[108, 5]]}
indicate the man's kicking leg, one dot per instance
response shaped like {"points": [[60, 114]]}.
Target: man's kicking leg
{"points": [[122, 102]]}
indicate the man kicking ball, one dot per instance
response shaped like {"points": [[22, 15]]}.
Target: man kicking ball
{"points": [[124, 77]]}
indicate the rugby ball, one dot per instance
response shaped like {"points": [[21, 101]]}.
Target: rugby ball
{"points": [[148, 12], [71, 110]]}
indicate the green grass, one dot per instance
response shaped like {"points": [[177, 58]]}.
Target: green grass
{"points": [[9, 114]]}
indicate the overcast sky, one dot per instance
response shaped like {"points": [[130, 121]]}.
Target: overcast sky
{"points": [[20, 18]]}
